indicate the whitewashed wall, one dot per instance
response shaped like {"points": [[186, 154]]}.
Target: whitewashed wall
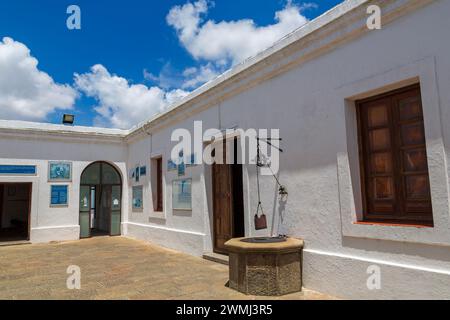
{"points": [[181, 230], [313, 106], [50, 223]]}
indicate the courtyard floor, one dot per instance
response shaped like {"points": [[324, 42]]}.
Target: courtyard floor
{"points": [[114, 268]]}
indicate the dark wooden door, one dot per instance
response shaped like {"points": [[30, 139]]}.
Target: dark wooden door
{"points": [[159, 186], [223, 210]]}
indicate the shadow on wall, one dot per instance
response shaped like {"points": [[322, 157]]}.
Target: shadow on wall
{"points": [[278, 215]]}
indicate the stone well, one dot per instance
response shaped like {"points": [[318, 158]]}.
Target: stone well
{"points": [[265, 269]]}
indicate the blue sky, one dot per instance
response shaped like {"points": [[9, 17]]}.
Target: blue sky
{"points": [[150, 52]]}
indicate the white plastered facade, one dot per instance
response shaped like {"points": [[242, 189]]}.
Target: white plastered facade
{"points": [[306, 85]]}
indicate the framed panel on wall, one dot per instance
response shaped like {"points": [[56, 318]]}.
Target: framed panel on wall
{"points": [[171, 165], [182, 194], [59, 195], [60, 171], [138, 198], [17, 170]]}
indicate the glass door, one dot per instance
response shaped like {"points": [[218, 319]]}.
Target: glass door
{"points": [[85, 209]]}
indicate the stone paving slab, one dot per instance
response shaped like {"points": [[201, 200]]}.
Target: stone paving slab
{"points": [[115, 268]]}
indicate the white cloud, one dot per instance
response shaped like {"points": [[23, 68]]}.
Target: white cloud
{"points": [[122, 104], [219, 45], [26, 93], [30, 94], [168, 77], [194, 77], [230, 42], [190, 78]]}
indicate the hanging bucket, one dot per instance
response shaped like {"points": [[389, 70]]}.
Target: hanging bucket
{"points": [[260, 222]]}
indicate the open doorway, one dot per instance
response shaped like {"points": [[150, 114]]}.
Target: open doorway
{"points": [[100, 201], [100, 210], [15, 206], [228, 200]]}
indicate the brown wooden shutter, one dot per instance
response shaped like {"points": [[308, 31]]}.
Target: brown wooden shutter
{"points": [[159, 185], [394, 158]]}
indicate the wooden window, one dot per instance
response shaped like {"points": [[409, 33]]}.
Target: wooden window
{"points": [[393, 156], [159, 185]]}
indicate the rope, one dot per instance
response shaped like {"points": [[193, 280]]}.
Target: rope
{"points": [[257, 180]]}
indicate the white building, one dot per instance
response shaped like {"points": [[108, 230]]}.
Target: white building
{"points": [[363, 116]]}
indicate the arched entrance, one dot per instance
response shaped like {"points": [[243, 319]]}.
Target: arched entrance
{"points": [[100, 200]]}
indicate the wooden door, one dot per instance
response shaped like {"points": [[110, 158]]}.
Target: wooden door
{"points": [[159, 186], [223, 212]]}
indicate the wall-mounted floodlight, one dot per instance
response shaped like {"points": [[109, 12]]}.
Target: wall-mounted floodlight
{"points": [[68, 119]]}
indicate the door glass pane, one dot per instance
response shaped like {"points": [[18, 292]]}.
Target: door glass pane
{"points": [[378, 116], [380, 139], [116, 203], [84, 211], [415, 160], [413, 134], [115, 223], [417, 187], [381, 163], [110, 174], [84, 198], [410, 108], [383, 188], [91, 175]]}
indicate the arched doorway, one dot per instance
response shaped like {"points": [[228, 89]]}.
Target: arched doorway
{"points": [[100, 200]]}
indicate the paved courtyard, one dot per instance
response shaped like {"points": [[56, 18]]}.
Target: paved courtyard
{"points": [[114, 268]]}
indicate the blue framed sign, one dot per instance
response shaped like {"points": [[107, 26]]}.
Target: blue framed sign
{"points": [[143, 171], [171, 165], [60, 171], [17, 170], [181, 169], [182, 194], [59, 196]]}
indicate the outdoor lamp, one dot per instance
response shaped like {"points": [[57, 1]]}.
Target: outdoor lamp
{"points": [[68, 119]]}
